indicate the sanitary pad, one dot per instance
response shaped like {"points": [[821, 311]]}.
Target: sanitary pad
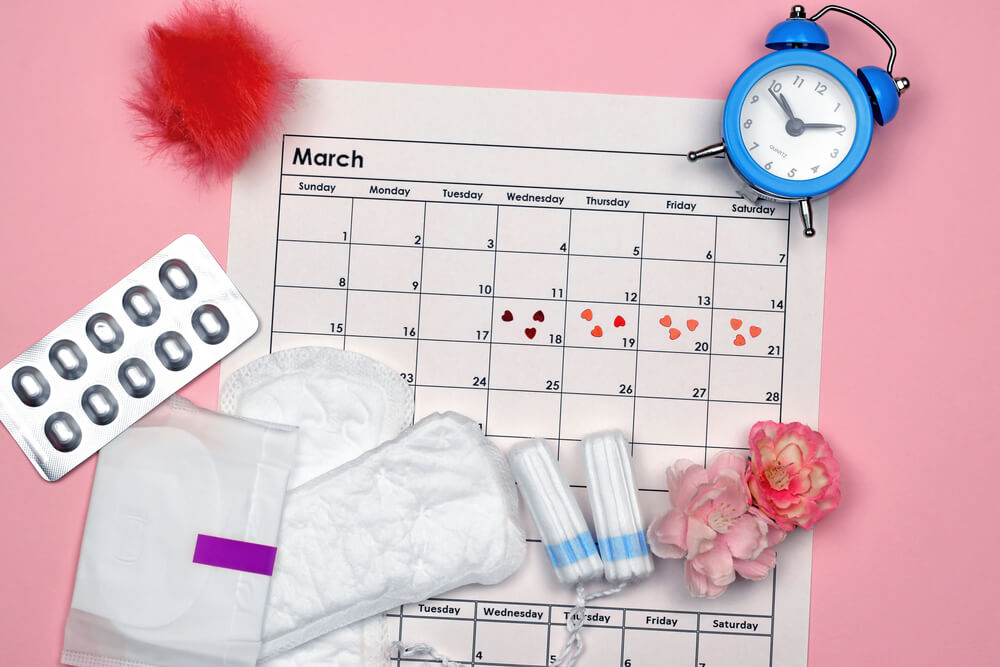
{"points": [[345, 404], [181, 488], [426, 513]]}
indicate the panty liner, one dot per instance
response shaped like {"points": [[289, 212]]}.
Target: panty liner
{"points": [[431, 511]]}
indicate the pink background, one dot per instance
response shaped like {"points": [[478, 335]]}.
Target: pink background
{"points": [[904, 573]]}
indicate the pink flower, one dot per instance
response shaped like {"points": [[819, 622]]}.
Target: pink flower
{"points": [[713, 526], [793, 476]]}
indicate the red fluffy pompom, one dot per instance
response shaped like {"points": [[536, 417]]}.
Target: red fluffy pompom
{"points": [[213, 88]]}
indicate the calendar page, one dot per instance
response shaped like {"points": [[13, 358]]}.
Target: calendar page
{"points": [[550, 265]]}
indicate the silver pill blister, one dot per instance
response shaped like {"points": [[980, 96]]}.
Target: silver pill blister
{"points": [[30, 386], [121, 355], [105, 333]]}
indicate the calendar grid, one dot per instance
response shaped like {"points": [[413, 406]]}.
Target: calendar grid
{"points": [[375, 305]]}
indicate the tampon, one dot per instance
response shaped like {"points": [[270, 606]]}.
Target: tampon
{"points": [[613, 501], [555, 512]]}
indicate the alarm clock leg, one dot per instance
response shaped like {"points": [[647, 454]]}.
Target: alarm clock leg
{"points": [[708, 151], [806, 209]]}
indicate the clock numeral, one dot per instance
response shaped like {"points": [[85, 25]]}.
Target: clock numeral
{"points": [[841, 131], [754, 99], [798, 81], [791, 173], [768, 166], [820, 88], [755, 145], [748, 122], [835, 152], [775, 86], [836, 107], [815, 169]]}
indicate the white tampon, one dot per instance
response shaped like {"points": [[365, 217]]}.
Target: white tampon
{"points": [[555, 512], [620, 530]]}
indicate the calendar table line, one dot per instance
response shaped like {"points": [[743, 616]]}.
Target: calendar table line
{"points": [[488, 387], [637, 303], [489, 353], [641, 610], [530, 206], [470, 144], [562, 361], [512, 343], [551, 253], [638, 321], [711, 329], [506, 186]]}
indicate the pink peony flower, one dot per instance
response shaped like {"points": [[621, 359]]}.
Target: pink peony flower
{"points": [[793, 476], [713, 526]]}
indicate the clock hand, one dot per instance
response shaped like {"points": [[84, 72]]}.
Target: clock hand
{"points": [[821, 125], [783, 103]]}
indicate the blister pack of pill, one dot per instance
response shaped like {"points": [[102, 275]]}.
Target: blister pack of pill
{"points": [[121, 355]]}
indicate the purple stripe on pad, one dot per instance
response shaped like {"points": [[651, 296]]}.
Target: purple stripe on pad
{"points": [[235, 554]]}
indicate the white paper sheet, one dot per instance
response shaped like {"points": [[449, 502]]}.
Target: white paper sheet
{"points": [[474, 240]]}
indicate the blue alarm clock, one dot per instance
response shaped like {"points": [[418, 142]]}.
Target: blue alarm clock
{"points": [[798, 122]]}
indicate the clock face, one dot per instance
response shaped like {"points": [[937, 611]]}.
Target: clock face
{"points": [[798, 122]]}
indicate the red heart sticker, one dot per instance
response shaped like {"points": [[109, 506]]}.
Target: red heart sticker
{"points": [[588, 314], [735, 323], [507, 316], [692, 325], [675, 334], [755, 331], [619, 321], [539, 316], [740, 340], [530, 333], [666, 321], [597, 331]]}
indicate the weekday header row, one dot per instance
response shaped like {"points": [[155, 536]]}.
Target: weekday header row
{"points": [[504, 195]]}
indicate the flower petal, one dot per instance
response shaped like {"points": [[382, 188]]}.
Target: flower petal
{"points": [[667, 535], [716, 564], [700, 537], [756, 568], [747, 538], [698, 584], [727, 461]]}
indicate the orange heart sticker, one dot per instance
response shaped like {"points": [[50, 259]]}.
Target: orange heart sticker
{"points": [[740, 340], [755, 331], [735, 323], [692, 325], [597, 331], [675, 334], [666, 321], [587, 314], [619, 321]]}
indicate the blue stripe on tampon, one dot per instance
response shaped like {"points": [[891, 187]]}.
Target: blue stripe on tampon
{"points": [[572, 550], [623, 547]]}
